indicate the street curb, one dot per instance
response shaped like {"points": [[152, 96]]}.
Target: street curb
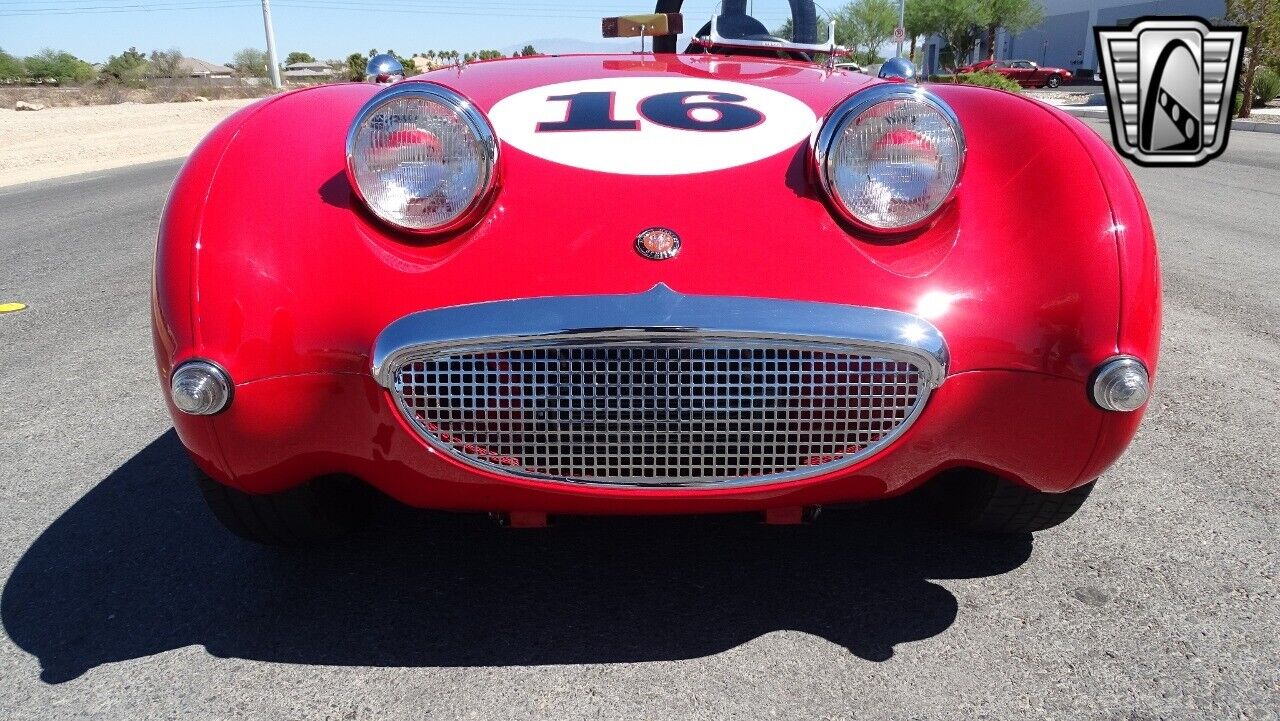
{"points": [[1101, 113]]}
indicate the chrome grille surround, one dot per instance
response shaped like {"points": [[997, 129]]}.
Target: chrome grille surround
{"points": [[659, 389]]}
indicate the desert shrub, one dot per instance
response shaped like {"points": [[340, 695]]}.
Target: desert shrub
{"points": [[990, 80], [982, 78], [1266, 86], [169, 94], [112, 93]]}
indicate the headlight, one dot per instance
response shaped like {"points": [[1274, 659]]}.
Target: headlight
{"points": [[889, 157], [421, 157]]}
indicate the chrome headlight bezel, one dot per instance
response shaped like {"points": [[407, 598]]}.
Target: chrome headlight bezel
{"points": [[831, 128], [468, 113]]}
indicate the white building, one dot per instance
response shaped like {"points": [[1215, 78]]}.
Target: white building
{"points": [[1065, 38], [197, 68], [308, 72]]}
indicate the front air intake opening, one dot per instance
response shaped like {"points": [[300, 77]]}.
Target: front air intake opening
{"points": [[701, 413]]}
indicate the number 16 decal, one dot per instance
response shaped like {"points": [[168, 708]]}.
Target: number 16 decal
{"points": [[651, 125], [594, 111]]}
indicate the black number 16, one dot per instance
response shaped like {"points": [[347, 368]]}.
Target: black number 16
{"points": [[594, 111]]}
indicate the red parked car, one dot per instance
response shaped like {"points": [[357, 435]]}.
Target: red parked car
{"points": [[1024, 72], [717, 279]]}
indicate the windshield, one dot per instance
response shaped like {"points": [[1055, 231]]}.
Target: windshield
{"points": [[774, 27]]}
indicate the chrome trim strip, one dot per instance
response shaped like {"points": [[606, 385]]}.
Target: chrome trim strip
{"points": [[661, 315], [658, 314]]}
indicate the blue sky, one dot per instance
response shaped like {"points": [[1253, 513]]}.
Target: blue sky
{"points": [[215, 29]]}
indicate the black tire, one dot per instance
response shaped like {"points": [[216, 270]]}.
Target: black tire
{"points": [[985, 503], [1053, 81], [321, 510]]}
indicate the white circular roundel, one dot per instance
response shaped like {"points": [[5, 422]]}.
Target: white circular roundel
{"points": [[652, 125]]}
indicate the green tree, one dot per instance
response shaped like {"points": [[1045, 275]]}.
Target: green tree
{"points": [[166, 63], [298, 56], [527, 51], [1262, 17], [1012, 15], [961, 23], [870, 24], [922, 18], [58, 65], [128, 65], [355, 67], [11, 68], [489, 55], [251, 61]]}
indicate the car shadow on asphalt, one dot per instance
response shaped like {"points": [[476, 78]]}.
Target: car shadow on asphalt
{"points": [[138, 566]]}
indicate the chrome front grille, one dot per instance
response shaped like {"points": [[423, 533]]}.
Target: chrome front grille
{"points": [[659, 389], [632, 411]]}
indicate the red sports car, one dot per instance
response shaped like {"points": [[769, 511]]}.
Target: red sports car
{"points": [[1024, 72], [726, 278]]}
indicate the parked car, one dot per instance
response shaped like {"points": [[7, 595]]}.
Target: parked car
{"points": [[1026, 73], [723, 280]]}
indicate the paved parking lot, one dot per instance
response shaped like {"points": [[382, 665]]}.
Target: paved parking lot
{"points": [[121, 598]]}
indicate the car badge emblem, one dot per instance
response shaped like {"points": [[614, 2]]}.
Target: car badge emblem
{"points": [[658, 243], [1170, 86]]}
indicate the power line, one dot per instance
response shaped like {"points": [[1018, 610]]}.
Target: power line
{"points": [[106, 9]]}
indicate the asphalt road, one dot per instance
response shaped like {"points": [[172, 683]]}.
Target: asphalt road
{"points": [[122, 598]]}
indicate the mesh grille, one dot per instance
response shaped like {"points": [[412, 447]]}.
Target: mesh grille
{"points": [[662, 414]]}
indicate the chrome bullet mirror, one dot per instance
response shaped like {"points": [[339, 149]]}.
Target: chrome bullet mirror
{"points": [[383, 69], [898, 69]]}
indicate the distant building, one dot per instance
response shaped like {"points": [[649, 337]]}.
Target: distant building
{"points": [[197, 68], [1065, 38], [308, 72]]}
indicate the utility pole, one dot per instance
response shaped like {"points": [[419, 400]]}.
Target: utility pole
{"points": [[273, 66], [902, 22]]}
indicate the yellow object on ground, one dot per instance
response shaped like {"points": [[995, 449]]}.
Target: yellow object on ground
{"points": [[12, 307]]}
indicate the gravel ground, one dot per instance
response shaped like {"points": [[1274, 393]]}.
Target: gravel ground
{"points": [[122, 599], [57, 142]]}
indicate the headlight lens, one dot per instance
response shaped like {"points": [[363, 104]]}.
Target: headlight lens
{"points": [[890, 156], [421, 157]]}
